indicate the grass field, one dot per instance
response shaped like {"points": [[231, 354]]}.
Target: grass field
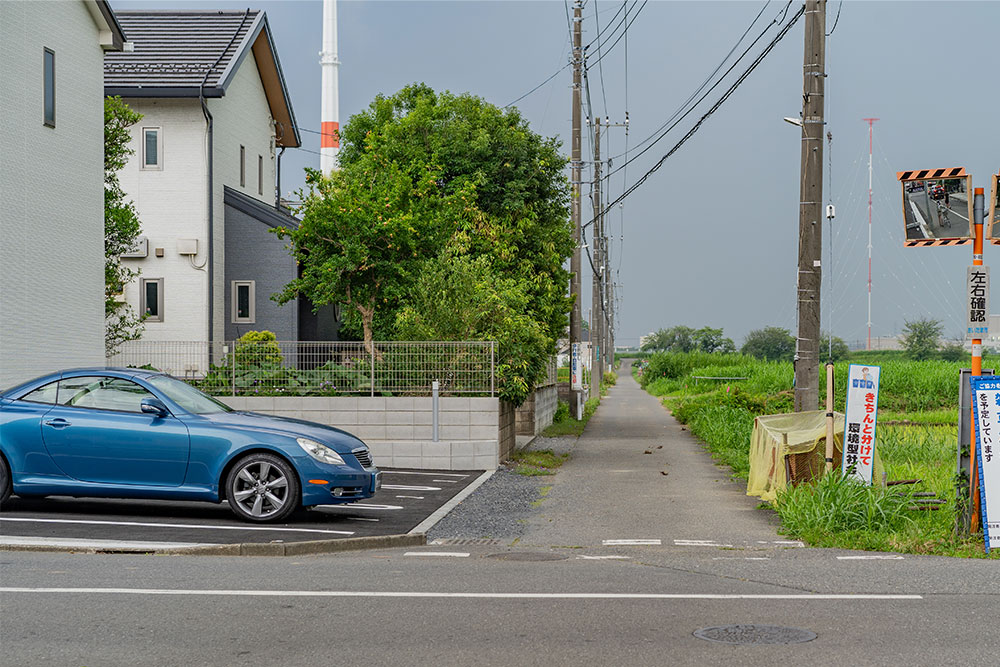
{"points": [[916, 439]]}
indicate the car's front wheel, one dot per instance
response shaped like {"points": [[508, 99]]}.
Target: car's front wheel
{"points": [[262, 487], [6, 484]]}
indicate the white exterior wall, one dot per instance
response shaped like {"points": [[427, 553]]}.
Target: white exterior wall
{"points": [[52, 191], [242, 118], [173, 204]]}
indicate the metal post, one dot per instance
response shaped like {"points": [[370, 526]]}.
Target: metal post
{"points": [[978, 213], [810, 210], [829, 416], [435, 407], [576, 320], [492, 367], [597, 307], [232, 364], [372, 362]]}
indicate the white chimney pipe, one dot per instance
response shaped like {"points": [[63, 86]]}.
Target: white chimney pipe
{"points": [[330, 125]]}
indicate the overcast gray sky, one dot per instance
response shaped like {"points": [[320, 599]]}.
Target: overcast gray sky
{"points": [[710, 238]]}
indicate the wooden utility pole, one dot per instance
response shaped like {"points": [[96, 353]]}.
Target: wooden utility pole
{"points": [[597, 308], [810, 209], [575, 320]]}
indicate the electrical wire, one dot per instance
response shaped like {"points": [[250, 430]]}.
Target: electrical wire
{"points": [[627, 25], [767, 50], [554, 75], [837, 20]]}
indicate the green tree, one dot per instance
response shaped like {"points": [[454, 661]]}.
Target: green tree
{"points": [[427, 179], [675, 339], [121, 226], [840, 350], [770, 343], [953, 351], [711, 340], [921, 337]]}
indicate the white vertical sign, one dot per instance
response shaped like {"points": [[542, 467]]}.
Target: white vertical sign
{"points": [[986, 394], [576, 375], [861, 417], [977, 280]]}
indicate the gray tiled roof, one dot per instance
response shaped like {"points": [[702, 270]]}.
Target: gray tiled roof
{"points": [[175, 49]]}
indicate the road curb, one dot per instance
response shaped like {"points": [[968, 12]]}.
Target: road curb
{"points": [[247, 548]]}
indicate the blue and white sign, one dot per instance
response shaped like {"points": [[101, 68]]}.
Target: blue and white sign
{"points": [[576, 373], [861, 415], [986, 396]]}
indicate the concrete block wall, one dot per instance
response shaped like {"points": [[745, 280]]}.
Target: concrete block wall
{"points": [[399, 429], [535, 414], [507, 429]]}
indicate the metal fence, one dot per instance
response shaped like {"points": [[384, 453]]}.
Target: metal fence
{"points": [[282, 368]]}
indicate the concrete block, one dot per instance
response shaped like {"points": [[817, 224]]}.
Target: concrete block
{"points": [[393, 416], [423, 432], [399, 403], [484, 403], [315, 402], [486, 447], [398, 432], [452, 403], [482, 432], [288, 403], [423, 417], [371, 416], [454, 418], [437, 462], [483, 418], [486, 462], [259, 403], [453, 432], [462, 449], [368, 431], [381, 449], [344, 403], [436, 449], [342, 417], [407, 448], [371, 403], [235, 402], [407, 462], [463, 463], [422, 404]]}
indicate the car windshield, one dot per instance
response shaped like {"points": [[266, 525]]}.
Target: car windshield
{"points": [[187, 396]]}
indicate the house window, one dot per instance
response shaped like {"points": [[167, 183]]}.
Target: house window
{"points": [[49, 76], [243, 166], [151, 299], [152, 148], [243, 302], [260, 174]]}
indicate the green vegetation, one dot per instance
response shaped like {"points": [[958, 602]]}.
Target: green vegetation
{"points": [[569, 426], [916, 440], [447, 220], [685, 339], [771, 343], [536, 463], [922, 337]]}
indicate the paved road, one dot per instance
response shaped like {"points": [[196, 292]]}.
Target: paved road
{"points": [[576, 600]]}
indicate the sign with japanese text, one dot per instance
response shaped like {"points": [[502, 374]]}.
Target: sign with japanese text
{"points": [[986, 393], [860, 416], [978, 302], [576, 374]]}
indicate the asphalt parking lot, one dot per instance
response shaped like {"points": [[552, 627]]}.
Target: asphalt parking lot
{"points": [[406, 499]]}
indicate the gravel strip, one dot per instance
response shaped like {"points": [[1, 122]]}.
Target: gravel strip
{"points": [[500, 507]]}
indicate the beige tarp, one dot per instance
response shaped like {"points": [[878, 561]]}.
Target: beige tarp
{"points": [[793, 446]]}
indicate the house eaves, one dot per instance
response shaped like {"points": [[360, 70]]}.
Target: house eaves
{"points": [[258, 210], [111, 35]]}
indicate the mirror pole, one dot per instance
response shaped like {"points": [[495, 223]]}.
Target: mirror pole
{"points": [[977, 365]]}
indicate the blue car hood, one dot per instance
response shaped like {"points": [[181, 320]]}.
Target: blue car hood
{"points": [[340, 441]]}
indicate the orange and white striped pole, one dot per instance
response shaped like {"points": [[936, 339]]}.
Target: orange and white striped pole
{"points": [[330, 121], [977, 364]]}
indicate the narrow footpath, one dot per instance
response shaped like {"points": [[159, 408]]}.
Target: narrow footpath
{"points": [[638, 474]]}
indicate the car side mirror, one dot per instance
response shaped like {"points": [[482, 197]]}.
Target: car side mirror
{"points": [[154, 406]]}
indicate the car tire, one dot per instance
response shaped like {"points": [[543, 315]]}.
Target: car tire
{"points": [[262, 488], [6, 483]]}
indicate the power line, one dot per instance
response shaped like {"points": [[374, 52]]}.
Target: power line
{"points": [[627, 25], [554, 74], [712, 110]]}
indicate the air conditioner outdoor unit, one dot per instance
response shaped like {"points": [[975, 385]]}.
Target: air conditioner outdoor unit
{"points": [[187, 246]]}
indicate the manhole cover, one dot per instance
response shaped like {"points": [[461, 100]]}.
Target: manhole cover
{"points": [[755, 634], [528, 556]]}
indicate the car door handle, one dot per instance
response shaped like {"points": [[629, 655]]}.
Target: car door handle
{"points": [[57, 423]]}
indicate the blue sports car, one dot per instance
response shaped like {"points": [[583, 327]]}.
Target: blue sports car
{"points": [[130, 433]]}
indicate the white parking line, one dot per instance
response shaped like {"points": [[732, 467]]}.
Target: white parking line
{"points": [[432, 474], [489, 596], [358, 518], [414, 497], [617, 543], [455, 554], [98, 544], [874, 557], [699, 543], [604, 557], [366, 506], [446, 481], [400, 487], [179, 525]]}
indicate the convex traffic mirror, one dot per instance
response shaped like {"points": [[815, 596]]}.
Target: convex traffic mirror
{"points": [[937, 205]]}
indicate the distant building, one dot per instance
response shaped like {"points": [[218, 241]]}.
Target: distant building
{"points": [[643, 339], [52, 184], [216, 114]]}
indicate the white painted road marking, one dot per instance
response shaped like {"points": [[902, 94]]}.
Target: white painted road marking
{"points": [[617, 543], [366, 506], [400, 487], [358, 518], [98, 544], [487, 596], [179, 525], [699, 543], [604, 557], [432, 474], [455, 554], [446, 481], [876, 557], [414, 497]]}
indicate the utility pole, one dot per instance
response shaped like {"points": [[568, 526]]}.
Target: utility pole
{"points": [[810, 209], [575, 320], [870, 121], [597, 293]]}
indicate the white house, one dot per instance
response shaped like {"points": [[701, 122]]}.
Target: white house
{"points": [[52, 184], [216, 114]]}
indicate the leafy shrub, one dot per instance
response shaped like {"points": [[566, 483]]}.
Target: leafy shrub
{"points": [[562, 412], [258, 349]]}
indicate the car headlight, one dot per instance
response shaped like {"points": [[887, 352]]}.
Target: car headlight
{"points": [[320, 452]]}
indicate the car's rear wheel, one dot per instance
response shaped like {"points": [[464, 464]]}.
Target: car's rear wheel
{"points": [[262, 487], [6, 483]]}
